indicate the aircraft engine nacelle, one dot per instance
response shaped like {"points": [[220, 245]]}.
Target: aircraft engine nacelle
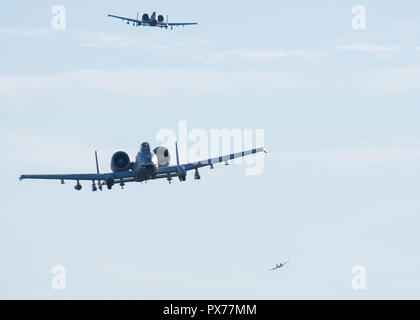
{"points": [[120, 161], [145, 17], [161, 18], [163, 155]]}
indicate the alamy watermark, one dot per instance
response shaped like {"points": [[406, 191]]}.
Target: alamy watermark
{"points": [[58, 21], [359, 277], [198, 144], [359, 17], [58, 281]]}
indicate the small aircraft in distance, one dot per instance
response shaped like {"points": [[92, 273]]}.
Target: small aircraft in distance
{"points": [[278, 266], [148, 165], [153, 21]]}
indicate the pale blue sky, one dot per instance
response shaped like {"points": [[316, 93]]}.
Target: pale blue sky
{"points": [[340, 112]]}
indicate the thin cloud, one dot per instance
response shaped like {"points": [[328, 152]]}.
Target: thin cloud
{"points": [[269, 55], [158, 44], [265, 55], [210, 54], [39, 32], [379, 51], [20, 90], [105, 40], [196, 48]]}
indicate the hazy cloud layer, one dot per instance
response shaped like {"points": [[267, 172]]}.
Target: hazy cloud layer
{"points": [[200, 84]]}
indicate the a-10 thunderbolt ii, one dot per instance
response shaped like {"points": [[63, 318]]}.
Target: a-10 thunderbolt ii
{"points": [[148, 165], [153, 21], [278, 266]]}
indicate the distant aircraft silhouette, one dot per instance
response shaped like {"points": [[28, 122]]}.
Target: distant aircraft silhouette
{"points": [[278, 266], [153, 21]]}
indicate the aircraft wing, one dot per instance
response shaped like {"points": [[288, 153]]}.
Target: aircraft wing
{"points": [[126, 19], [88, 176], [164, 176], [272, 269], [177, 24], [210, 162], [132, 179]]}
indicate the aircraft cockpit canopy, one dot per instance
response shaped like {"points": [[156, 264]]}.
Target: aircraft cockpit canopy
{"points": [[145, 147]]}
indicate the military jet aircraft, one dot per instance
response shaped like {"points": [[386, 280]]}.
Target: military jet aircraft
{"points": [[278, 266], [153, 21], [148, 165]]}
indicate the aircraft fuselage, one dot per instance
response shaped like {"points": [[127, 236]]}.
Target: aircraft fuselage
{"points": [[146, 165]]}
